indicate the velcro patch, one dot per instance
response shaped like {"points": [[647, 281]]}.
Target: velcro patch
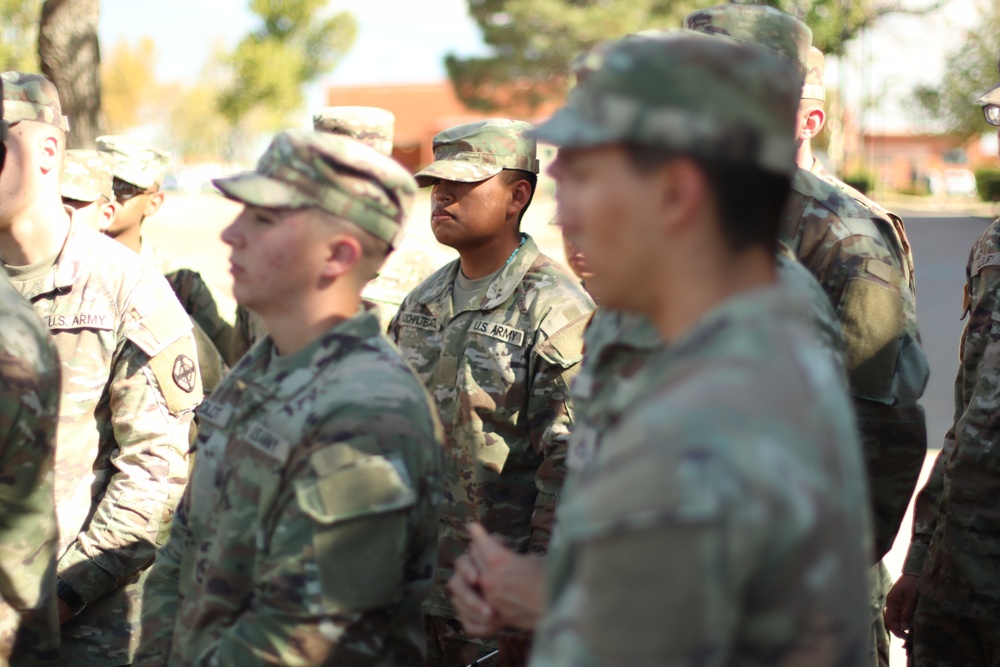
{"points": [[178, 376], [499, 331], [418, 320], [102, 321], [982, 261], [268, 442], [217, 413]]}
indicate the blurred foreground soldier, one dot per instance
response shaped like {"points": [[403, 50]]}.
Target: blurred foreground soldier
{"points": [[722, 520], [947, 602], [861, 257], [308, 533], [129, 384], [86, 187], [496, 336], [29, 409], [138, 175]]}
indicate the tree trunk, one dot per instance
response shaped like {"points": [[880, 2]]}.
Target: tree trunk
{"points": [[71, 58]]}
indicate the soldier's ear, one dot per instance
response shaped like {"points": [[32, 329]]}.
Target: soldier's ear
{"points": [[812, 123], [153, 203], [49, 154], [108, 215], [344, 253]]}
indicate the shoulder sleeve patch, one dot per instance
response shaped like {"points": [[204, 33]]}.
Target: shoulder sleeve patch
{"points": [[983, 260], [565, 347], [176, 370]]}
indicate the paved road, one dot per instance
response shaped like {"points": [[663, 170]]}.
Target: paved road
{"points": [[940, 250], [189, 226]]}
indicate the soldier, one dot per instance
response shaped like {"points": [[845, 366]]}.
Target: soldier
{"points": [[722, 520], [86, 187], [947, 601], [496, 336], [129, 384], [317, 545], [29, 403], [138, 177], [861, 257]]}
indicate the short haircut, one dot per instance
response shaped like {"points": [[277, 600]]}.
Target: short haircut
{"points": [[374, 251], [750, 200], [512, 176]]}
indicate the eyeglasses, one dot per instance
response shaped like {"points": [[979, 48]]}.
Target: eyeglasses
{"points": [[992, 113], [124, 190]]}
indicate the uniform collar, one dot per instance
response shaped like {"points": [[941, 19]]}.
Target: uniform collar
{"points": [[69, 265]]}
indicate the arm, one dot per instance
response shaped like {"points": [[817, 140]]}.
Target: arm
{"points": [[29, 406], [550, 420], [151, 403]]}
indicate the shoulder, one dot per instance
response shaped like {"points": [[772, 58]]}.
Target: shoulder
{"points": [[821, 200], [431, 286], [554, 294]]}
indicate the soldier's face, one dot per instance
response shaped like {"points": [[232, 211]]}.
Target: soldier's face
{"points": [[465, 215], [275, 257], [607, 210], [19, 167]]}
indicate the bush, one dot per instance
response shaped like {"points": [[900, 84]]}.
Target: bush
{"points": [[988, 184], [861, 181]]}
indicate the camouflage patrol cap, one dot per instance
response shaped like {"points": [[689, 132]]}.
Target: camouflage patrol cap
{"points": [[477, 151], [87, 175], [31, 97], [712, 97], [814, 88], [371, 126], [758, 24], [139, 164], [336, 174], [991, 96]]}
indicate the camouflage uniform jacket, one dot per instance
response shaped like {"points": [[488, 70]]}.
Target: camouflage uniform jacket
{"points": [[29, 404], [862, 260], [726, 503], [955, 541], [212, 331], [499, 373], [617, 344], [308, 533], [129, 386]]}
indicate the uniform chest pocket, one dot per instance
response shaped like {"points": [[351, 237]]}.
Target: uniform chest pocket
{"points": [[496, 364]]}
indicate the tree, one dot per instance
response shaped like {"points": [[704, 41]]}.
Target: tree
{"points": [[70, 56], [969, 71], [130, 92], [293, 46], [535, 41], [18, 33]]}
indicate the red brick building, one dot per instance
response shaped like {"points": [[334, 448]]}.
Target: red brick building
{"points": [[907, 161]]}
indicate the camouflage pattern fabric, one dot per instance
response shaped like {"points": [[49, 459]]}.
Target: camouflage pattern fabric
{"points": [[370, 125], [955, 544], [667, 102], [31, 97], [308, 533], [814, 89], [499, 373], [86, 176], [129, 386], [940, 637], [212, 332], [756, 497], [476, 151], [862, 261], [412, 262], [247, 330], [756, 24], [134, 162], [29, 410], [302, 169]]}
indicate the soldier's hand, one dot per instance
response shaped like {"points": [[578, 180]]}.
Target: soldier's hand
{"points": [[477, 617], [512, 584], [900, 604]]}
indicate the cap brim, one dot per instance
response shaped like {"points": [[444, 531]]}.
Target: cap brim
{"points": [[77, 193], [259, 190], [455, 170], [567, 128], [991, 96]]}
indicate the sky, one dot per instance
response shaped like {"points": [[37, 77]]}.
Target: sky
{"points": [[402, 41]]}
